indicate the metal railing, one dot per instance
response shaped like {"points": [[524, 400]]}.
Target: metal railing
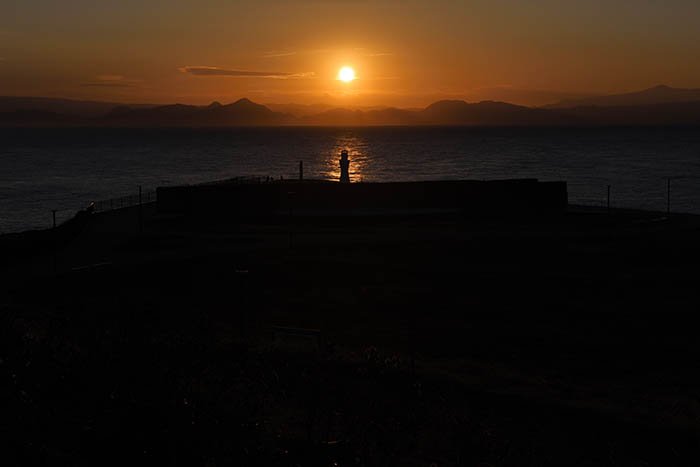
{"points": [[671, 194], [152, 196], [666, 194], [245, 180], [124, 201]]}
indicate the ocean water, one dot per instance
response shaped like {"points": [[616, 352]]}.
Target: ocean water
{"points": [[66, 169]]}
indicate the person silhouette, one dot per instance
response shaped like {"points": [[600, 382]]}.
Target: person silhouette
{"points": [[344, 167]]}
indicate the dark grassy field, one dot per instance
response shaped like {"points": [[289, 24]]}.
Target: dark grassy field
{"points": [[445, 340]]}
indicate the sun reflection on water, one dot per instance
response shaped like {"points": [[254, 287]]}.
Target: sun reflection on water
{"points": [[359, 159]]}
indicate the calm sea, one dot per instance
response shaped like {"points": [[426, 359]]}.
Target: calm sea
{"points": [[66, 169]]}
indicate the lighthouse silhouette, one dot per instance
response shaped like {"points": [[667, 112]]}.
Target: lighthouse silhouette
{"points": [[344, 167]]}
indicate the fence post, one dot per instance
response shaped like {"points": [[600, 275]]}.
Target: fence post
{"points": [[55, 242], [608, 199], [140, 212], [668, 196], [301, 170], [290, 200]]}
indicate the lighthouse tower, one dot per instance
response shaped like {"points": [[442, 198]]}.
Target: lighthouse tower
{"points": [[344, 167]]}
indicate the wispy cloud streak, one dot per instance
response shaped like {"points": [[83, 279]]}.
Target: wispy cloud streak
{"points": [[101, 84], [216, 71], [278, 54], [371, 53], [111, 81]]}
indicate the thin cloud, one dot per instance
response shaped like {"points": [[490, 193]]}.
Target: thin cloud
{"points": [[111, 81], [103, 84], [371, 53], [216, 71], [495, 86], [110, 78], [278, 54]]}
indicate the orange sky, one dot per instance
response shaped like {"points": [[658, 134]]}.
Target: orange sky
{"points": [[406, 53]]}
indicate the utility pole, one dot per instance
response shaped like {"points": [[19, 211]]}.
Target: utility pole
{"points": [[608, 199], [301, 170]]}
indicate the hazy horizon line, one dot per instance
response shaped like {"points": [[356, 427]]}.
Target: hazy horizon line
{"points": [[427, 99]]}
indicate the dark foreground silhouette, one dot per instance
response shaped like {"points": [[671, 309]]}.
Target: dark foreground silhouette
{"points": [[424, 338]]}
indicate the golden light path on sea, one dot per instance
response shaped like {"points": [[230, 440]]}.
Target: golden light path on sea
{"points": [[358, 154]]}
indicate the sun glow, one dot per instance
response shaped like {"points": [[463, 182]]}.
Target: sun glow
{"points": [[346, 74]]}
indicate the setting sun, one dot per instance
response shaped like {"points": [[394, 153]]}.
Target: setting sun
{"points": [[346, 74]]}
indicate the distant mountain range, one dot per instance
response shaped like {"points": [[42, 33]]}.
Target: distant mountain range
{"points": [[660, 105], [240, 113], [652, 96], [69, 107]]}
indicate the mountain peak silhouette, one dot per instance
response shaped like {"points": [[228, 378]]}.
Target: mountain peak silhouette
{"points": [[244, 101]]}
